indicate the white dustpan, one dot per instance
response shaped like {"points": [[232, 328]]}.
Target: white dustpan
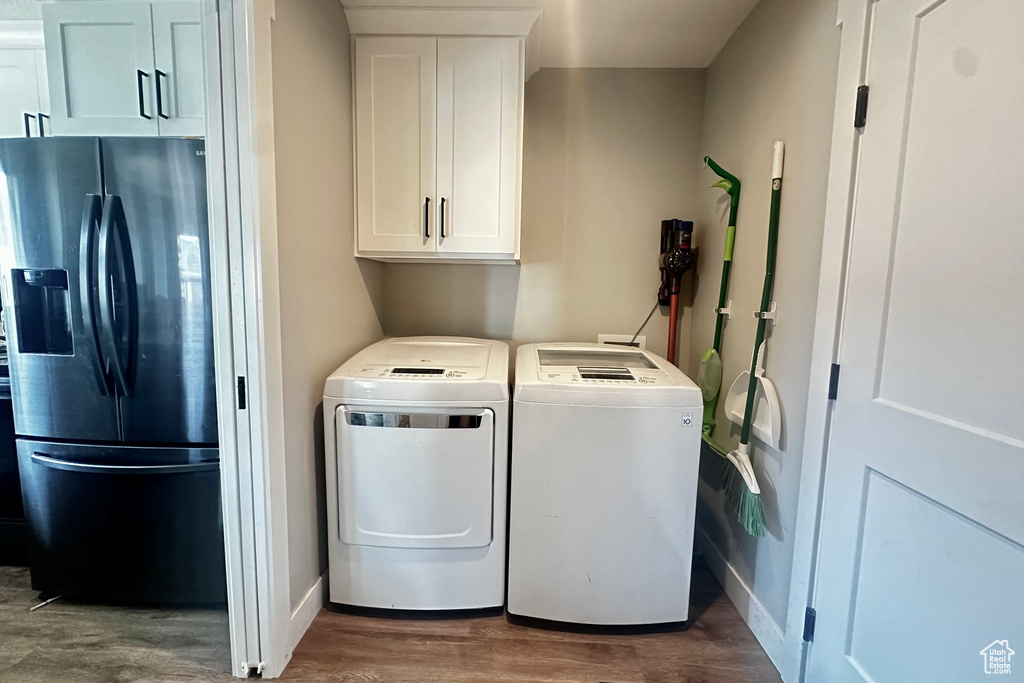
{"points": [[766, 423]]}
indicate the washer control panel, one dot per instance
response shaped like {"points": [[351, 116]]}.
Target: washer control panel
{"points": [[605, 375]]}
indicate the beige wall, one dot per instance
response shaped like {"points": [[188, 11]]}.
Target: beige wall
{"points": [[327, 310], [608, 154], [774, 79]]}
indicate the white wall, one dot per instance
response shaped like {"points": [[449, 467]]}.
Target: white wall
{"points": [[20, 9], [326, 296], [774, 79], [608, 154]]}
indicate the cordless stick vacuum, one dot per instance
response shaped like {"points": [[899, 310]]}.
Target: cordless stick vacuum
{"points": [[676, 259]]}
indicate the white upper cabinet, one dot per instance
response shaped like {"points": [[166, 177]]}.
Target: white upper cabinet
{"points": [[23, 96], [23, 84], [99, 59], [178, 50], [477, 144], [395, 160], [438, 146], [124, 68]]}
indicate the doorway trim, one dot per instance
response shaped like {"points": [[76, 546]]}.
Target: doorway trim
{"points": [[243, 228], [854, 19]]}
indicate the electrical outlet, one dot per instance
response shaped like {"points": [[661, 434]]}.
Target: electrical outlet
{"points": [[622, 340]]}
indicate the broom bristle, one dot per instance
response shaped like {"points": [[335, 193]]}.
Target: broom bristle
{"points": [[751, 513], [732, 483]]}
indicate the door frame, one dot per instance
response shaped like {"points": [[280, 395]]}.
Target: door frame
{"points": [[854, 19], [246, 307]]}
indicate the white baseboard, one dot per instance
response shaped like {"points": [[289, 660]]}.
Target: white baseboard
{"points": [[764, 628], [305, 613]]}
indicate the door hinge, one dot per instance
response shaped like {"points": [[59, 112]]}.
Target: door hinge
{"points": [[860, 115], [833, 382], [241, 393], [809, 617]]}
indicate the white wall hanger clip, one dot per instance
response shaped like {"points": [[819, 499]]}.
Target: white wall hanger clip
{"points": [[771, 315], [725, 310]]}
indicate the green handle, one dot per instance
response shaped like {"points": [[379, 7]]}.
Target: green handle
{"points": [[731, 184], [766, 290]]}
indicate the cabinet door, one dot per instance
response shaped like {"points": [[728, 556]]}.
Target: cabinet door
{"points": [[19, 85], [99, 58], [395, 161], [478, 109], [178, 49]]}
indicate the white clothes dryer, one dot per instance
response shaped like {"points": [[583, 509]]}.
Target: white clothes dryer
{"points": [[416, 437]]}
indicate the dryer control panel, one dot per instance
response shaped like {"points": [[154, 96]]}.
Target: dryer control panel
{"points": [[414, 373]]}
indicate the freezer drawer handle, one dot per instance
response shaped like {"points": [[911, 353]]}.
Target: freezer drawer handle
{"points": [[190, 468], [413, 421]]}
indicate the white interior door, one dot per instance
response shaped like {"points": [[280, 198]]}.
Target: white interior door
{"points": [[922, 534], [477, 144], [19, 85], [395, 82], [99, 57], [178, 51]]}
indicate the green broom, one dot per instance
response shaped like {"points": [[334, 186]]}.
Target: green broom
{"points": [[743, 490]]}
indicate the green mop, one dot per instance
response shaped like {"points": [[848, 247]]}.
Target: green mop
{"points": [[743, 491], [709, 377]]}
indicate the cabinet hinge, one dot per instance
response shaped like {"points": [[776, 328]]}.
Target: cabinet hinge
{"points": [[241, 393], [860, 115], [809, 617], [833, 382]]}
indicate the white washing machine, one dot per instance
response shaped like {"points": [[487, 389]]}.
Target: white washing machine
{"points": [[605, 451], [416, 435]]}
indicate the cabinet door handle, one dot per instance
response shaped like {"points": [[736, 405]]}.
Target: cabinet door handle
{"points": [[139, 75], [39, 117], [442, 217], [28, 126], [159, 95], [426, 216]]}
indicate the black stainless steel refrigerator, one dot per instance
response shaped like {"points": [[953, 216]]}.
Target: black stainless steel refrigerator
{"points": [[104, 260]]}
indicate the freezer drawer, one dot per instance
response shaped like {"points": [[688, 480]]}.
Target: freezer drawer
{"points": [[124, 524], [415, 478]]}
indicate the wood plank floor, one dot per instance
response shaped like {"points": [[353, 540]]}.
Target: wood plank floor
{"points": [[70, 642], [67, 642], [717, 646]]}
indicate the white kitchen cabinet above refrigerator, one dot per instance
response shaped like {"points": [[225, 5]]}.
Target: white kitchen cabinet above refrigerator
{"points": [[124, 68], [438, 148], [24, 104]]}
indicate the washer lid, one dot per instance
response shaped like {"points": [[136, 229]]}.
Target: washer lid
{"points": [[598, 374], [424, 369]]}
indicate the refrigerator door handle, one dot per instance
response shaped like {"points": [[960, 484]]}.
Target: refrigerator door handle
{"points": [[47, 460], [115, 254], [92, 215]]}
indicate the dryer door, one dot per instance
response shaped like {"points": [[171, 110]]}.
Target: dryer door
{"points": [[415, 478]]}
